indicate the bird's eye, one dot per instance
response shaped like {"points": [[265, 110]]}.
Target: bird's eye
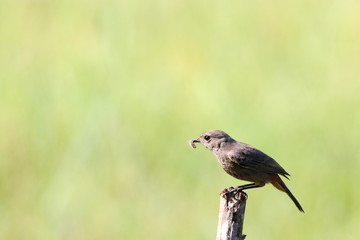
{"points": [[207, 137]]}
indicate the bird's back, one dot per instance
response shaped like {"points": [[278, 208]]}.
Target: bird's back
{"points": [[247, 163]]}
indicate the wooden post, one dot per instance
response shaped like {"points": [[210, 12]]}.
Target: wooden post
{"points": [[231, 215]]}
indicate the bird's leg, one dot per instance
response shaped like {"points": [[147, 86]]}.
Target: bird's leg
{"points": [[241, 188], [246, 186]]}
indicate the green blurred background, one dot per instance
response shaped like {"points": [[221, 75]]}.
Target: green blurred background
{"points": [[99, 98]]}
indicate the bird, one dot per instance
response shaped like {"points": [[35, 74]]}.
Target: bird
{"points": [[245, 162]]}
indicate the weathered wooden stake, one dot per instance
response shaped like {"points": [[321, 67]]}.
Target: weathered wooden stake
{"points": [[231, 215]]}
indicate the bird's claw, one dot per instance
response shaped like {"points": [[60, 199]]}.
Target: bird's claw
{"points": [[233, 190]]}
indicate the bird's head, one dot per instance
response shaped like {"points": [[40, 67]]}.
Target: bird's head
{"points": [[212, 139]]}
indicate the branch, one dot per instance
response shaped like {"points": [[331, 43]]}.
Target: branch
{"points": [[231, 215]]}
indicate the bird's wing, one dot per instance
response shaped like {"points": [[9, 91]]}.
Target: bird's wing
{"points": [[251, 158]]}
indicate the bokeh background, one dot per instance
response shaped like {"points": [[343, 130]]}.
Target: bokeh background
{"points": [[99, 98]]}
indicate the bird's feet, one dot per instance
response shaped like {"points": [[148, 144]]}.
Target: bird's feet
{"points": [[233, 191]]}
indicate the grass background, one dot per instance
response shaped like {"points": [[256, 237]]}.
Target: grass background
{"points": [[98, 100]]}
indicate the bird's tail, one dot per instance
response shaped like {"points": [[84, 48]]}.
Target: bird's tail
{"points": [[279, 184]]}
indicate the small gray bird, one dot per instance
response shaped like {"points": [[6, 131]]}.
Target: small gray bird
{"points": [[245, 162]]}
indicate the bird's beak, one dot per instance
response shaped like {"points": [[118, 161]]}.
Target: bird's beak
{"points": [[193, 141]]}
